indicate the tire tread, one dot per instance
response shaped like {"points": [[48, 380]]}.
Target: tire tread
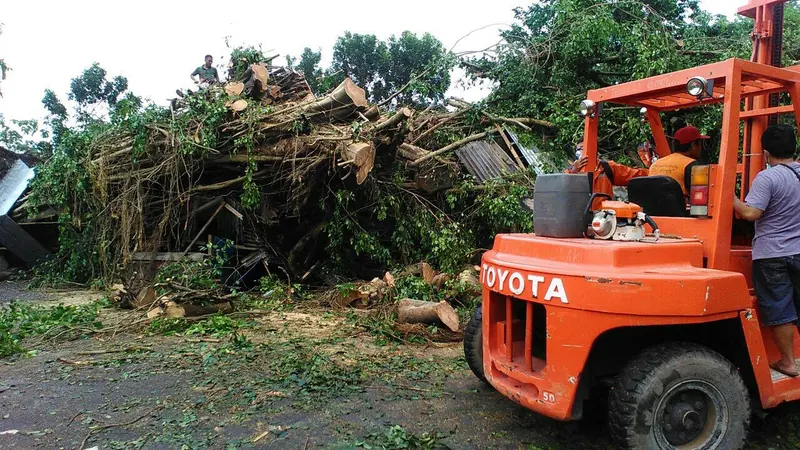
{"points": [[630, 385]]}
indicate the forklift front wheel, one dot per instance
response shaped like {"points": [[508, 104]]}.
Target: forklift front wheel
{"points": [[679, 396], [473, 344]]}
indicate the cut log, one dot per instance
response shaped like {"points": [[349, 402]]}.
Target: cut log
{"points": [[440, 279], [419, 311], [359, 153], [340, 104], [238, 105], [261, 74], [373, 114], [145, 297], [399, 117], [469, 278], [361, 156], [174, 310], [435, 179], [427, 272], [234, 88], [411, 152], [389, 279]]}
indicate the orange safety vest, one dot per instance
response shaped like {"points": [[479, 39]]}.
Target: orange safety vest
{"points": [[675, 166]]}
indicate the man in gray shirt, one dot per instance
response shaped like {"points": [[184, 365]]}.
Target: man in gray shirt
{"points": [[774, 204]]}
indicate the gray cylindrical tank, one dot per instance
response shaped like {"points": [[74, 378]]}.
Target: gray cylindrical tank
{"points": [[559, 201]]}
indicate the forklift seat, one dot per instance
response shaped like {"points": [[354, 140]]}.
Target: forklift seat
{"points": [[659, 196]]}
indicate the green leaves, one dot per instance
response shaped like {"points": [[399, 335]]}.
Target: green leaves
{"points": [[560, 49], [92, 88], [397, 438], [19, 321], [420, 64]]}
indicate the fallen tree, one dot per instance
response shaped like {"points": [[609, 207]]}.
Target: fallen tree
{"points": [[321, 190]]}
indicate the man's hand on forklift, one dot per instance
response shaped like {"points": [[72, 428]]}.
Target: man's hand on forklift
{"points": [[746, 212], [578, 165]]}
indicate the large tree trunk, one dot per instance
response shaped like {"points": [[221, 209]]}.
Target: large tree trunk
{"points": [[341, 104], [419, 311]]}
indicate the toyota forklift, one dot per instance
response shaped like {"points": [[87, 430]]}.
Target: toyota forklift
{"points": [[651, 299]]}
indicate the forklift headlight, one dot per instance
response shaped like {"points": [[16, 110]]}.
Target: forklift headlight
{"points": [[700, 87], [588, 108]]}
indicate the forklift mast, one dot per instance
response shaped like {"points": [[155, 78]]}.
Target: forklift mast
{"points": [[767, 37]]}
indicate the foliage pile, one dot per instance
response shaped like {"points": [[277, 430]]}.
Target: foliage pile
{"points": [[19, 321], [285, 177]]}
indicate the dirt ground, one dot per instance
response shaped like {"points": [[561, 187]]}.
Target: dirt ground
{"points": [[298, 379]]}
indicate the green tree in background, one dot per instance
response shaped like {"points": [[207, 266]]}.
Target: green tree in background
{"points": [[95, 94], [560, 49], [309, 67], [363, 58], [418, 66]]}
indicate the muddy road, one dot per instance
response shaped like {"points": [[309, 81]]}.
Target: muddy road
{"points": [[298, 379]]}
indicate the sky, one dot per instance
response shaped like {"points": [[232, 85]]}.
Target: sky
{"points": [[157, 44]]}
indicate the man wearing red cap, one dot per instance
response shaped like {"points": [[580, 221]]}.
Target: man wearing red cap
{"points": [[686, 149]]}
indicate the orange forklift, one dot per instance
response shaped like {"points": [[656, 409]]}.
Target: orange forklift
{"points": [[666, 319]]}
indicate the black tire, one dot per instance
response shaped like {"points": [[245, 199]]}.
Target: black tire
{"points": [[679, 395], [473, 344]]}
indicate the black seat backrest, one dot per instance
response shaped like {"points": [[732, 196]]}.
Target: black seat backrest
{"points": [[658, 196]]}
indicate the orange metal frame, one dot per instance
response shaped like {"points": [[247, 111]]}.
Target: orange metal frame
{"points": [[585, 288], [737, 83]]}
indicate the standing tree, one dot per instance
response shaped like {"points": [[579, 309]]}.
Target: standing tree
{"points": [[560, 49], [424, 63], [419, 66], [95, 94], [363, 58], [309, 67]]}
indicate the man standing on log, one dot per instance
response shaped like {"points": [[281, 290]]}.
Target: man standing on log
{"points": [[206, 74]]}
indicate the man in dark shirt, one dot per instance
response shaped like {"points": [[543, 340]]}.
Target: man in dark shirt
{"points": [[206, 74], [773, 204]]}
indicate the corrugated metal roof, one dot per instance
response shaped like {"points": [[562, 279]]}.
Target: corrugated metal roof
{"points": [[530, 155], [485, 160]]}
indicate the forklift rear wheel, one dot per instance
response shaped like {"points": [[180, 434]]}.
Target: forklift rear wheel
{"points": [[679, 396], [473, 344]]}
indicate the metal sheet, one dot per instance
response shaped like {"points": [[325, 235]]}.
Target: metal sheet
{"points": [[485, 160], [530, 155], [13, 185]]}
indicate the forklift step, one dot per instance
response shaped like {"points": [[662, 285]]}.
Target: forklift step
{"points": [[777, 376]]}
